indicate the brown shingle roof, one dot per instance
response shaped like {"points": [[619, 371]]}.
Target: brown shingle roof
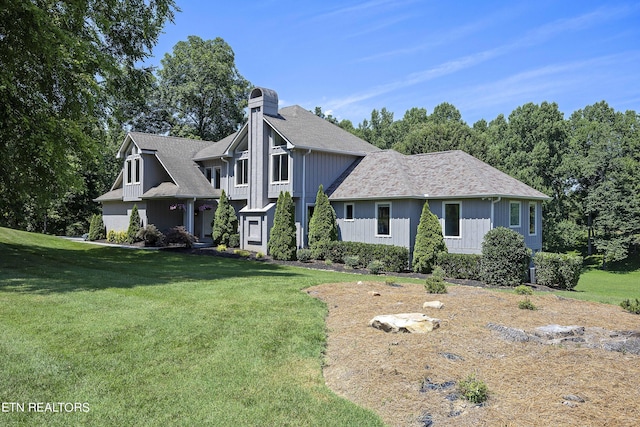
{"points": [[448, 174]]}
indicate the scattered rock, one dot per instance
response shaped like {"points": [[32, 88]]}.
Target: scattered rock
{"points": [[573, 398], [425, 420], [428, 385], [359, 282], [433, 304], [552, 332], [509, 334], [451, 356], [374, 293], [405, 322]]}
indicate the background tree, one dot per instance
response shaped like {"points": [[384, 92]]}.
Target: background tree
{"points": [[322, 225], [59, 63], [200, 82], [429, 241], [225, 222], [282, 239]]}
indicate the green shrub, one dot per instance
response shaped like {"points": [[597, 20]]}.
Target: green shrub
{"points": [[76, 229], [259, 255], [523, 290], [429, 241], [96, 228], [631, 306], [394, 258], [221, 247], [352, 261], [234, 241], [134, 225], [180, 236], [435, 285], [557, 270], [322, 224], [304, 255], [526, 304], [460, 266], [375, 267], [225, 222], [117, 237], [473, 389], [282, 238], [150, 235], [505, 258]]}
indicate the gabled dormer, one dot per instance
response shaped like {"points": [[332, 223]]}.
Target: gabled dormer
{"points": [[132, 171]]}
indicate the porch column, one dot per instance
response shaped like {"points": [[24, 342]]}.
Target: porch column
{"points": [[188, 216]]}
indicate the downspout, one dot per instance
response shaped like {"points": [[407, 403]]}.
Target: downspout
{"points": [[304, 197], [493, 202]]}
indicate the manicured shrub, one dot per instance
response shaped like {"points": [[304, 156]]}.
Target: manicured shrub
{"points": [[225, 222], [322, 225], [96, 228], [134, 225], [304, 255], [435, 285], [352, 261], [375, 267], [505, 258], [557, 270], [242, 253], [221, 247], [117, 237], [151, 236], [523, 290], [180, 236], [473, 389], [234, 241], [460, 266], [282, 239], [429, 241], [259, 255], [394, 258], [631, 306]]}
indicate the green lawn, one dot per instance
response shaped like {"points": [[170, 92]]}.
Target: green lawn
{"points": [[618, 283], [156, 338]]}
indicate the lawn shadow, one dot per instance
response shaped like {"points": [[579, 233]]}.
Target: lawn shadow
{"points": [[85, 268]]}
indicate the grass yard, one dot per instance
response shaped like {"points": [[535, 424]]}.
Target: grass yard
{"points": [[156, 338], [618, 283]]}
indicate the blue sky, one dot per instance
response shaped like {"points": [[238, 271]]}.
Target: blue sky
{"points": [[484, 57]]}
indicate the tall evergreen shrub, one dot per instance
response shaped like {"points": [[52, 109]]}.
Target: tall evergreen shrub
{"points": [[225, 222], [429, 242], [134, 225], [96, 228], [505, 258], [282, 239], [322, 226]]}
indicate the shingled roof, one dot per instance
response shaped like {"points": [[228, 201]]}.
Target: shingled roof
{"points": [[449, 174]]}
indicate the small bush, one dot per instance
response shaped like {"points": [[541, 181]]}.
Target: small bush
{"points": [[328, 262], [473, 389], [460, 266], [259, 255], [523, 290], [505, 257], [180, 236], [96, 228], [234, 241], [304, 255], [76, 229], [242, 253], [117, 237], [375, 267], [151, 236], [221, 248], [352, 261], [557, 270], [394, 258], [435, 284], [631, 306], [526, 304]]}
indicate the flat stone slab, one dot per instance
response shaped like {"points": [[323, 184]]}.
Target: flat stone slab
{"points": [[433, 304], [416, 323]]}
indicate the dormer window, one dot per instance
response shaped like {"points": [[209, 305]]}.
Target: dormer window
{"points": [[132, 170], [213, 176]]}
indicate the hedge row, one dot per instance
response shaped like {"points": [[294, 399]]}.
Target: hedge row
{"points": [[460, 266], [557, 270], [394, 258]]}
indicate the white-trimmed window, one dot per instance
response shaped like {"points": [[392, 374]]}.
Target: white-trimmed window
{"points": [[136, 170], [514, 214], [452, 219], [213, 176], [128, 172], [242, 172], [383, 219], [280, 167], [532, 219], [348, 211]]}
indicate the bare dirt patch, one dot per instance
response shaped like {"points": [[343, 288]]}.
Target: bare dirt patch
{"points": [[407, 378]]}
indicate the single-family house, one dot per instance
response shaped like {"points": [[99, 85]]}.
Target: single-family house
{"points": [[378, 195]]}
